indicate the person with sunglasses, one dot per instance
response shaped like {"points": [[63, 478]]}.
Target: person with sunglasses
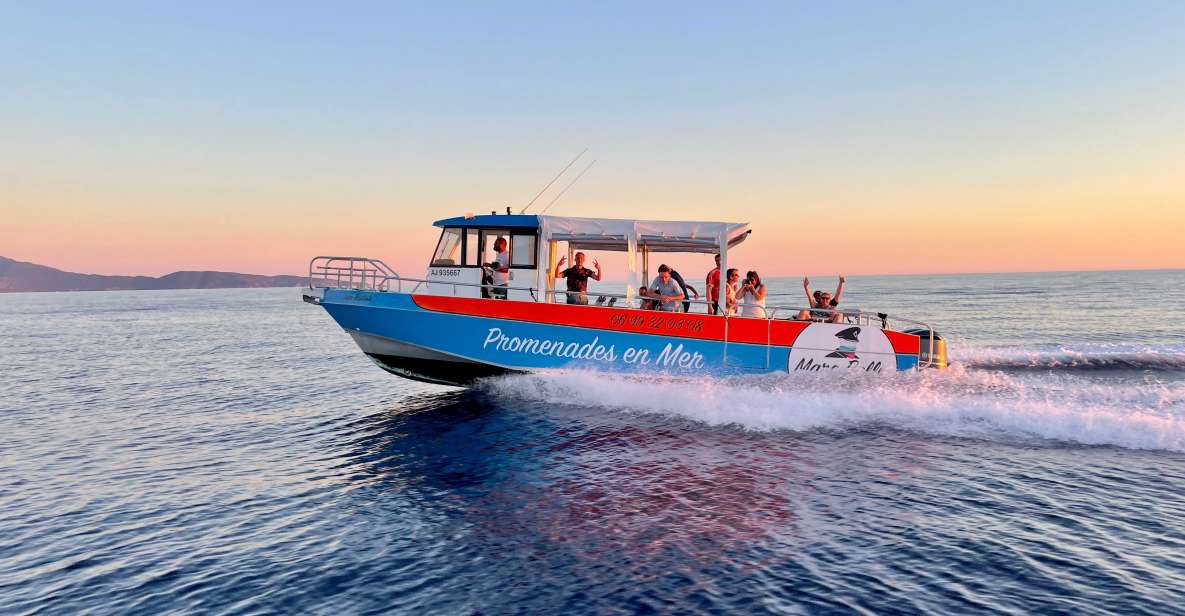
{"points": [[822, 304]]}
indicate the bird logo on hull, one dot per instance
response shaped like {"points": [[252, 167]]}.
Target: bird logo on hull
{"points": [[847, 351], [852, 348]]}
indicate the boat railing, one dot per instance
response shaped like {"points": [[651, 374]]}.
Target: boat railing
{"points": [[350, 273], [365, 274]]}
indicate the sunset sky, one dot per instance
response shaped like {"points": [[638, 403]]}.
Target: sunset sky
{"points": [[143, 138]]}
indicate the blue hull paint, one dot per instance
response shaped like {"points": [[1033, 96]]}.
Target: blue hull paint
{"points": [[529, 346]]}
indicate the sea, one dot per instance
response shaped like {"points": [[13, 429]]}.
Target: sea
{"points": [[232, 452]]}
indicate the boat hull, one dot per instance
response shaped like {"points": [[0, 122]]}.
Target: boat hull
{"points": [[456, 341]]}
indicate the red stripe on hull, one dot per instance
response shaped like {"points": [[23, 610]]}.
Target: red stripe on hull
{"points": [[784, 333], [673, 324], [903, 344]]}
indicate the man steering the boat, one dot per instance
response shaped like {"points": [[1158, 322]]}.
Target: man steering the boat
{"points": [[499, 270], [577, 277]]}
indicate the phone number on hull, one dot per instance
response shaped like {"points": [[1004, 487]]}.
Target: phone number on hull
{"points": [[657, 322]]}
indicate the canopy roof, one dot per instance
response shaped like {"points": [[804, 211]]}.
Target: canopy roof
{"points": [[654, 235], [491, 221], [614, 234]]}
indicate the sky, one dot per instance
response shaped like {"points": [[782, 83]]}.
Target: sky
{"points": [[856, 138]]}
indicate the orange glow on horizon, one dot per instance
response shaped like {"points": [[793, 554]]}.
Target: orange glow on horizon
{"points": [[1132, 223]]}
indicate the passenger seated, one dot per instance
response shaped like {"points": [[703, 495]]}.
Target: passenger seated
{"points": [[644, 295], [822, 304]]}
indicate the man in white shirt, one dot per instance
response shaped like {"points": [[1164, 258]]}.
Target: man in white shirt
{"points": [[669, 292], [500, 269]]}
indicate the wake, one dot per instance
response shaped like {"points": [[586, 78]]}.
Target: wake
{"points": [[1087, 358], [969, 400]]}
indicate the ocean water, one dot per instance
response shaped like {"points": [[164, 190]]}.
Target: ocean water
{"points": [[177, 452]]}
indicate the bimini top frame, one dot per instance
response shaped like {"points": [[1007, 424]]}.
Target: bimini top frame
{"points": [[639, 238], [614, 234], [636, 238], [652, 235]]}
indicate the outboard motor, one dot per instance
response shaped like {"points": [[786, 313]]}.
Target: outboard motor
{"points": [[939, 358]]}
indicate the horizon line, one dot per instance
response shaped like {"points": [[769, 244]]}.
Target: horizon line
{"points": [[807, 274]]}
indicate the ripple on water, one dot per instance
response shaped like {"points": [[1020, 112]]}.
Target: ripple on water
{"points": [[229, 451]]}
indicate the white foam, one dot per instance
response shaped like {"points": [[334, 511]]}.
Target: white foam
{"points": [[1079, 356], [959, 402]]}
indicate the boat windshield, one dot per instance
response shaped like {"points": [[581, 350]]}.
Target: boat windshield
{"points": [[448, 250]]}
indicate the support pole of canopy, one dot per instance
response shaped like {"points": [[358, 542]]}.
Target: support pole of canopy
{"points": [[553, 247], [722, 296], [545, 253], [645, 264], [631, 261]]}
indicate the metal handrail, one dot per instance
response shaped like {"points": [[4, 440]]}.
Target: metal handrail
{"points": [[346, 272], [366, 274]]}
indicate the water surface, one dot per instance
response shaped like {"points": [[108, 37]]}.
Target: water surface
{"points": [[232, 452]]}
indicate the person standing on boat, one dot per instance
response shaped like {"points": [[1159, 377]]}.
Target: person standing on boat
{"points": [[752, 296], [822, 303], [577, 277], [730, 291], [712, 284], [670, 294], [500, 269]]}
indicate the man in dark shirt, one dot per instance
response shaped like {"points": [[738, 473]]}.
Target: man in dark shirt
{"points": [[577, 277]]}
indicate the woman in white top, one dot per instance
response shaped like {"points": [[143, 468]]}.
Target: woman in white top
{"points": [[730, 291], [752, 296]]}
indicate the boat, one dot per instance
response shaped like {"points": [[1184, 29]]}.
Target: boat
{"points": [[454, 327]]}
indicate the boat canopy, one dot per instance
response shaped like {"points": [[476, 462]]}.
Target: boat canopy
{"points": [[614, 234], [650, 235], [637, 238]]}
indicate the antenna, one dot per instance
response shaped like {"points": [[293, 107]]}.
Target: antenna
{"points": [[562, 172], [574, 180]]}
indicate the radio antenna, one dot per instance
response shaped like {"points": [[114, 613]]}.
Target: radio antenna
{"points": [[574, 180], [557, 176]]}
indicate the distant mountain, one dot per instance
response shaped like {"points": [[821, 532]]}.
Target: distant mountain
{"points": [[18, 276]]}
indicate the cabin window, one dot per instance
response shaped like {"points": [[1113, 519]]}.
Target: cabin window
{"points": [[488, 237], [472, 252], [522, 251], [448, 250]]}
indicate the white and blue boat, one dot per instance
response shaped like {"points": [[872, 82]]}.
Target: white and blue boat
{"points": [[445, 327]]}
